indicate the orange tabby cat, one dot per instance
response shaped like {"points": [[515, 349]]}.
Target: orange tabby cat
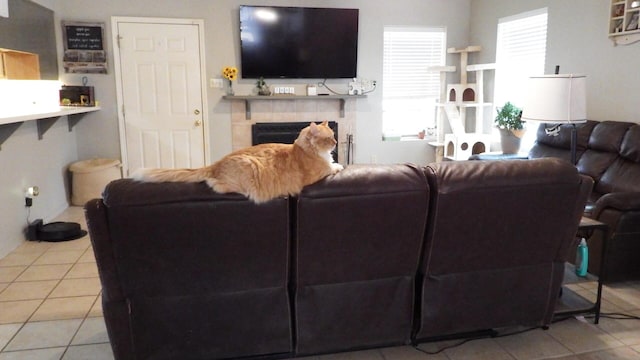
{"points": [[263, 172]]}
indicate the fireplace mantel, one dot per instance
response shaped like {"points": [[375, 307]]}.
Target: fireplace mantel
{"points": [[248, 98]]}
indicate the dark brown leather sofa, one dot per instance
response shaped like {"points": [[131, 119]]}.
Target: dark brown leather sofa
{"points": [[375, 255], [608, 152]]}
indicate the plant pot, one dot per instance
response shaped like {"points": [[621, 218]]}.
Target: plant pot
{"points": [[510, 140]]}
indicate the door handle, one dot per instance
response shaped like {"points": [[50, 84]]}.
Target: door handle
{"points": [[198, 123]]}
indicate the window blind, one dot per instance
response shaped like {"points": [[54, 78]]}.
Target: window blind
{"points": [[408, 53], [521, 51]]}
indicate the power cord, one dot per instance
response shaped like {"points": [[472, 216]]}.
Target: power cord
{"points": [[323, 84], [495, 334], [373, 84]]}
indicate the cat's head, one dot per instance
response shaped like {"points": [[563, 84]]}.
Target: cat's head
{"points": [[317, 138]]}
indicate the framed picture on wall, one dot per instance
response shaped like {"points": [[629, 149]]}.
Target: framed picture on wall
{"points": [[84, 50]]}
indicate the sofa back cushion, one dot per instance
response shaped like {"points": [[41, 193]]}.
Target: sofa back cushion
{"points": [[559, 146], [200, 272], [602, 150], [357, 245], [496, 228]]}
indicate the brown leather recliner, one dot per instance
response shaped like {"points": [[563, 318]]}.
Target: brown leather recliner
{"points": [[190, 274], [497, 239], [608, 152], [358, 240]]}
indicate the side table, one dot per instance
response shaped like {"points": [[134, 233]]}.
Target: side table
{"points": [[570, 303]]}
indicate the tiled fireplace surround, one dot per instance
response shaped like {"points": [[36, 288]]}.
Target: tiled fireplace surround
{"points": [[292, 110]]}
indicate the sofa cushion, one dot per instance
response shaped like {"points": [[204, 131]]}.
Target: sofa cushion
{"points": [[200, 272], [630, 147], [558, 146], [358, 240]]}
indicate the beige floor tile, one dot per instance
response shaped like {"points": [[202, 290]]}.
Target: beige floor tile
{"points": [[17, 259], [87, 257], [96, 309], [636, 348], [409, 353], [625, 330], [535, 344], [630, 296], [39, 354], [17, 311], [581, 337], [92, 331], [59, 257], [353, 355], [83, 270], [28, 290], [623, 353], [44, 272], [77, 287], [6, 333], [3, 286], [10, 273], [485, 349], [44, 334], [78, 244], [93, 352], [33, 247], [64, 308]]}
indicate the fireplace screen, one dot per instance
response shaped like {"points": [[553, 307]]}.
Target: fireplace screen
{"points": [[285, 132]]}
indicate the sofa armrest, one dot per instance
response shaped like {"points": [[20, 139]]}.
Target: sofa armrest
{"points": [[621, 201]]}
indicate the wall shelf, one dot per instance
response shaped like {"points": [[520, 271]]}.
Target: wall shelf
{"points": [[45, 119], [624, 21], [249, 98]]}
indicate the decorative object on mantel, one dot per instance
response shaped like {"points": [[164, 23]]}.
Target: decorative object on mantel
{"points": [[509, 122], [230, 73], [263, 88]]}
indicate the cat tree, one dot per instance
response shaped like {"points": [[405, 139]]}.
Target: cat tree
{"points": [[454, 101]]}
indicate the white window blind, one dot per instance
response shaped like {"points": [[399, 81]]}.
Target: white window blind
{"points": [[410, 90], [520, 53]]}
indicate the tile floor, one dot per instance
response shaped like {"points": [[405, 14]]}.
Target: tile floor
{"points": [[50, 309]]}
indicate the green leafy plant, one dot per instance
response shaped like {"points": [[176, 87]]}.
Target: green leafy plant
{"points": [[509, 117], [263, 88]]}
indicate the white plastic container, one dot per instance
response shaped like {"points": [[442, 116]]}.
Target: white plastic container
{"points": [[89, 178]]}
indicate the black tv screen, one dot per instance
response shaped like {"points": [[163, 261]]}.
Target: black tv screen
{"points": [[296, 42]]}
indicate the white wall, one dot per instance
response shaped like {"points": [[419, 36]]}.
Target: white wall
{"points": [[577, 41], [99, 135], [26, 161]]}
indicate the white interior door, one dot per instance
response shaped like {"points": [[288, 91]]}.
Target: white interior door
{"points": [[161, 93]]}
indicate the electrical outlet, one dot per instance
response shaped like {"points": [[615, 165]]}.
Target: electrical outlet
{"points": [[216, 83], [28, 202]]}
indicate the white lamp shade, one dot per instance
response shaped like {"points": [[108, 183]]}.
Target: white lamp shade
{"points": [[556, 99]]}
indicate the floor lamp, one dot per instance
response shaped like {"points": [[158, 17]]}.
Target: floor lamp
{"points": [[557, 99]]}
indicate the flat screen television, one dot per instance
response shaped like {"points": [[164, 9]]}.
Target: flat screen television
{"points": [[298, 42]]}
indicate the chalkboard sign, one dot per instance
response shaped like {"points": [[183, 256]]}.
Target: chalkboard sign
{"points": [[84, 51], [84, 37]]}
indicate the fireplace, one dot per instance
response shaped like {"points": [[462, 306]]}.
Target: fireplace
{"points": [[284, 132]]}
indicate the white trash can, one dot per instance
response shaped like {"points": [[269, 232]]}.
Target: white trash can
{"points": [[89, 178]]}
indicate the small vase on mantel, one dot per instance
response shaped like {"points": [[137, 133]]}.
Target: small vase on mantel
{"points": [[230, 88]]}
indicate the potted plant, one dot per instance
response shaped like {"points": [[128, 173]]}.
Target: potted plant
{"points": [[263, 88], [509, 122]]}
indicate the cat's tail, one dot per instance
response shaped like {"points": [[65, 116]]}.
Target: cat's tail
{"points": [[170, 175]]}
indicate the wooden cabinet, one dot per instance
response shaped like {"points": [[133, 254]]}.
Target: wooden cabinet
{"points": [[19, 65], [624, 17]]}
